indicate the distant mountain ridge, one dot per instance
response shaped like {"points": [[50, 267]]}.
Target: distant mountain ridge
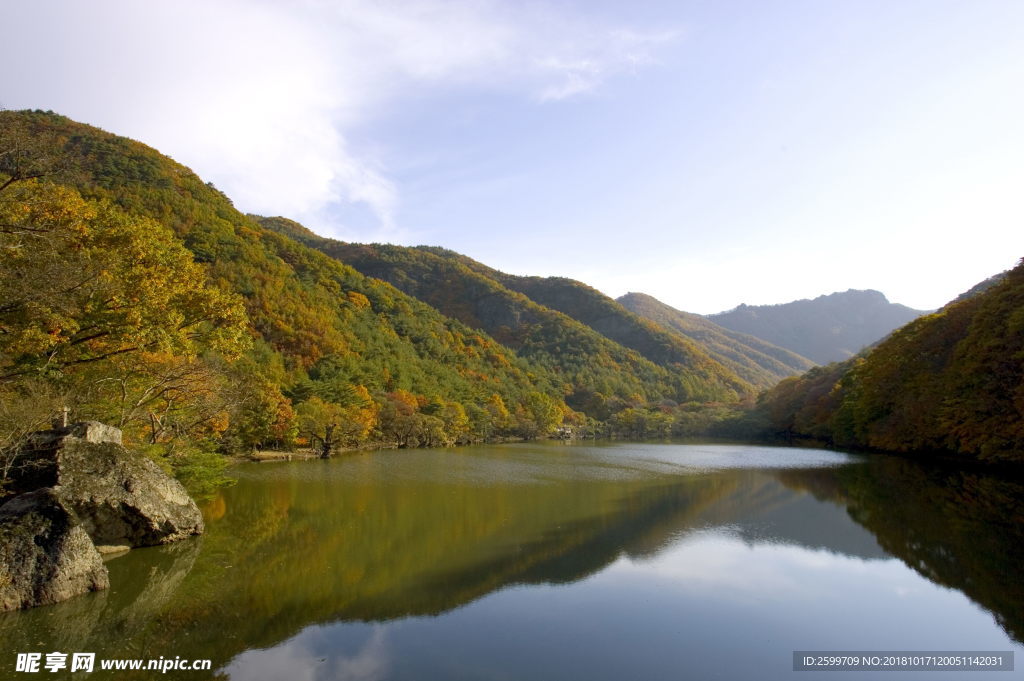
{"points": [[829, 328], [753, 359]]}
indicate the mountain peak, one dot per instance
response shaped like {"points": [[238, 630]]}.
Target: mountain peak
{"points": [[828, 328], [755, 360]]}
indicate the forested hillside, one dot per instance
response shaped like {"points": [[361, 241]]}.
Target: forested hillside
{"points": [[258, 339], [827, 329], [609, 318], [948, 382], [136, 294], [589, 361], [754, 360]]}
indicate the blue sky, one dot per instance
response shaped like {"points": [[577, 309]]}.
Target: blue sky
{"points": [[706, 153]]}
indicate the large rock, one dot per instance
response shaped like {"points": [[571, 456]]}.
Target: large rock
{"points": [[46, 556], [122, 498], [36, 465]]}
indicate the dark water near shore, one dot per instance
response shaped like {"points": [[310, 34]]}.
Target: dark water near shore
{"points": [[557, 561]]}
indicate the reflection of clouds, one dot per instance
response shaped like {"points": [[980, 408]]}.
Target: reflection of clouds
{"points": [[368, 664], [297, 660], [717, 562], [706, 458]]}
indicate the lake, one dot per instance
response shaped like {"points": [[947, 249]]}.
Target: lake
{"points": [[563, 561]]}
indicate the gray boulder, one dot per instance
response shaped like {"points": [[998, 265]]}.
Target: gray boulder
{"points": [[36, 465], [122, 498], [46, 556]]}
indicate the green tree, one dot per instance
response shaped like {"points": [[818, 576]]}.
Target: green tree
{"points": [[84, 282], [539, 415], [318, 423]]}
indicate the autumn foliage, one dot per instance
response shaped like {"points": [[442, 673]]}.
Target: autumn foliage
{"points": [[949, 382]]}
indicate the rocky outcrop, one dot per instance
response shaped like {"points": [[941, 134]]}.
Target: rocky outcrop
{"points": [[46, 556], [81, 494], [122, 498], [37, 464]]}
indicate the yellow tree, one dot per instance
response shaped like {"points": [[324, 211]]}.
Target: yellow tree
{"points": [[84, 282], [92, 298]]}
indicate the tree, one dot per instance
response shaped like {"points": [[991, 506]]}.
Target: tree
{"points": [[24, 409], [159, 398], [110, 312], [318, 423], [538, 416], [262, 415], [400, 420], [84, 282], [27, 154], [456, 423], [500, 418]]}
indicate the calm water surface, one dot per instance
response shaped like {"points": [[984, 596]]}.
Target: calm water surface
{"points": [[557, 561]]}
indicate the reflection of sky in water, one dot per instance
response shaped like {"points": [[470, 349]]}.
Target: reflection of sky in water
{"points": [[319, 653], [709, 457], [564, 561], [710, 606], [530, 463]]}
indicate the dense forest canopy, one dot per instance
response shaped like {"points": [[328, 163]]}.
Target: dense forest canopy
{"points": [[136, 294], [949, 382]]}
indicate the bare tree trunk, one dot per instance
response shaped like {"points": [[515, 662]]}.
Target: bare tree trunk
{"points": [[328, 441]]}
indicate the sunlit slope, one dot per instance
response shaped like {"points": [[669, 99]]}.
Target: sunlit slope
{"points": [[752, 359], [652, 362], [308, 311]]}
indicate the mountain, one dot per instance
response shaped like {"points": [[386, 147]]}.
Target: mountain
{"points": [[981, 286], [827, 329], [611, 319], [950, 382], [328, 343], [315, 345], [588, 340], [756, 361]]}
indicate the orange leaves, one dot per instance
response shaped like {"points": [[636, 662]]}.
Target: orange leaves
{"points": [[358, 300], [406, 401], [109, 282]]}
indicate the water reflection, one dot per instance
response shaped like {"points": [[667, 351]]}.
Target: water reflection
{"points": [[963, 529], [380, 565]]}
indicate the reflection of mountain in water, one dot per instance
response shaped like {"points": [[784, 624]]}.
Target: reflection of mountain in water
{"points": [[778, 516], [386, 536], [961, 529]]}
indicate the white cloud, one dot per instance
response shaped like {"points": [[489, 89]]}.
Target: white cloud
{"points": [[606, 53], [263, 98], [298, 659]]}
